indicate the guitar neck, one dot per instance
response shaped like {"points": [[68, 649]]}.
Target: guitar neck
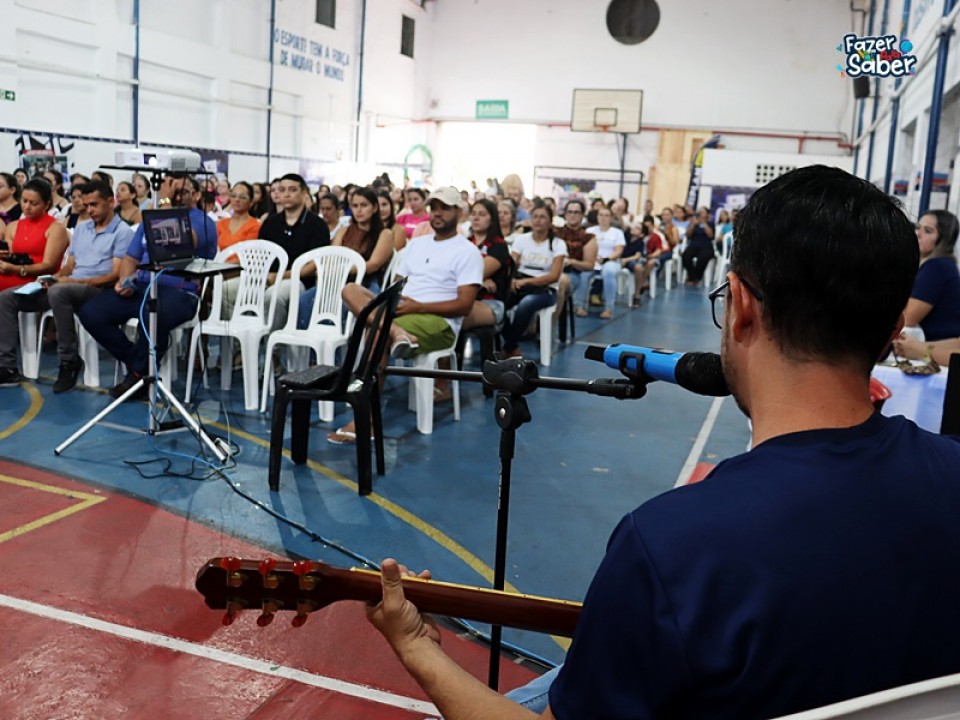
{"points": [[524, 612], [280, 585]]}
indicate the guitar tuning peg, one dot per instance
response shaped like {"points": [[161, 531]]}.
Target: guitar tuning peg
{"points": [[230, 564], [266, 566], [302, 567], [299, 619], [265, 618], [233, 611]]}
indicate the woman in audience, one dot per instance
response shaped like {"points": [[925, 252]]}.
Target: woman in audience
{"points": [[78, 210], [36, 234], [415, 212], [9, 198], [507, 215], [389, 219], [330, 213], [934, 303], [699, 251], [538, 256], [620, 208], [595, 206], [263, 206], [60, 206], [580, 260], [20, 176], [657, 250], [485, 233], [610, 244], [127, 208], [241, 225], [144, 196], [724, 223], [102, 176], [223, 192]]}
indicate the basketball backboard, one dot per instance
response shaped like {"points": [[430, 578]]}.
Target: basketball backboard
{"points": [[606, 110]]}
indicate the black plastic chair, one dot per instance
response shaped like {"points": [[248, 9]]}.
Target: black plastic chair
{"points": [[565, 316], [356, 382]]}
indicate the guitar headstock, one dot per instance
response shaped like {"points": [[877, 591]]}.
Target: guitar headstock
{"points": [[269, 585]]}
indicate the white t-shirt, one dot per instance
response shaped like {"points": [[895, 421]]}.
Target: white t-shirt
{"points": [[607, 241], [434, 269], [536, 258]]}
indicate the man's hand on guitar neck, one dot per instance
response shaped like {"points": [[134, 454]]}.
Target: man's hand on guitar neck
{"points": [[397, 619], [415, 639]]}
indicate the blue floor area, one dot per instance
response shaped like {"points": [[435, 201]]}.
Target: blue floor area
{"points": [[581, 463]]}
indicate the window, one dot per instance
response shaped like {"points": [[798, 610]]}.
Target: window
{"points": [[406, 37], [327, 13], [632, 21]]}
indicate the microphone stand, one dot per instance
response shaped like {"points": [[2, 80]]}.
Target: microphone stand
{"points": [[512, 380]]}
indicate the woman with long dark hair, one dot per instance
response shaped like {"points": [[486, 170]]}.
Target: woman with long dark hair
{"points": [[36, 235], [389, 217], [934, 302], [127, 209], [485, 232], [263, 206], [9, 198]]}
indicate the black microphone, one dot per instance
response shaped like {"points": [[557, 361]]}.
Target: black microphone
{"points": [[698, 372]]}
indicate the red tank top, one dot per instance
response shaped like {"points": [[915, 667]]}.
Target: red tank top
{"points": [[30, 238]]}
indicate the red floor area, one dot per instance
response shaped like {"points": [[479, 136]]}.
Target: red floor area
{"points": [[133, 566]]}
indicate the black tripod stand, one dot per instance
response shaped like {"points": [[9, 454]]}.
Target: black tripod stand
{"points": [[512, 380]]}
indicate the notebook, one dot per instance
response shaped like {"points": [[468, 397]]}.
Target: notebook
{"points": [[170, 243]]}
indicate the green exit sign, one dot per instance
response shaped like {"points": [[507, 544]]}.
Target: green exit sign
{"points": [[493, 109], [8, 95]]}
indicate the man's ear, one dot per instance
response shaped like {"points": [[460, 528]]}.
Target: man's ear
{"points": [[744, 312], [898, 329]]}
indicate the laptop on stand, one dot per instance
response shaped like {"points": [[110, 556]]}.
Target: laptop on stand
{"points": [[170, 246]]}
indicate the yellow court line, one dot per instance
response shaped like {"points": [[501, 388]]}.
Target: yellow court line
{"points": [[86, 500], [36, 402], [438, 536]]}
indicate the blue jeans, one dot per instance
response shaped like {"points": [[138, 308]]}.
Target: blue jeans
{"points": [[535, 695], [579, 286], [609, 272], [105, 315], [528, 306]]}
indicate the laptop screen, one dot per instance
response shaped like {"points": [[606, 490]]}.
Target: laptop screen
{"points": [[168, 235]]}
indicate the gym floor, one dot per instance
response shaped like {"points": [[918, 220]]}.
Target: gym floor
{"points": [[126, 540]]}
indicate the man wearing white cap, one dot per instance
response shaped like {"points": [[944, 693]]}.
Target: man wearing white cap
{"points": [[444, 271]]}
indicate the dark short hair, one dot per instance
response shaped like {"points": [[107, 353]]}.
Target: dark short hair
{"points": [[329, 197], [99, 187], [10, 180], [575, 201], [834, 259], [419, 191], [294, 177], [248, 186], [40, 186]]}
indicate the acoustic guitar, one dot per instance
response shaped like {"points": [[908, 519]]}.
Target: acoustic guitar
{"points": [[305, 586]]}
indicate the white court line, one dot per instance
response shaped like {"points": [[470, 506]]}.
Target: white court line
{"points": [[222, 656], [698, 444]]}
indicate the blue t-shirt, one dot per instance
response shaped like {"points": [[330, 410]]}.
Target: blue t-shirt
{"points": [[821, 565], [206, 231], [938, 283], [94, 251]]}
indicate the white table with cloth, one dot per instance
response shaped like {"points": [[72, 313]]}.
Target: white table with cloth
{"points": [[917, 397]]}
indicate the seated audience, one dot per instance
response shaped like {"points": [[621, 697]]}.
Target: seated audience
{"points": [[507, 214], [78, 209], [580, 259], [490, 306], [512, 187], [642, 257], [443, 272], [241, 225], [699, 251], [103, 177], [815, 568], [610, 244], [415, 212], [9, 198], [127, 209], [20, 177], [538, 256], [144, 195], [105, 315], [263, 207], [92, 263], [37, 235], [389, 219], [934, 303], [59, 205]]}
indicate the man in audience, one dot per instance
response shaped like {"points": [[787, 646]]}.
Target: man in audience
{"points": [[91, 263], [296, 229], [444, 271], [106, 315], [817, 567]]}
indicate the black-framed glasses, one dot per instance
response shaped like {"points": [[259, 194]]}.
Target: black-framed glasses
{"points": [[718, 297]]}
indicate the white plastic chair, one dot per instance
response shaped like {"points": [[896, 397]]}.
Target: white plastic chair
{"points": [[723, 262], [326, 330], [626, 283], [88, 349], [251, 319], [546, 333], [391, 268], [420, 394], [937, 699]]}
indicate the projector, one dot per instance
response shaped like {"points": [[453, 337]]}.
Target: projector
{"points": [[179, 160], [135, 157]]}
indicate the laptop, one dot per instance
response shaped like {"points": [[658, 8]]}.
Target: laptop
{"points": [[170, 244]]}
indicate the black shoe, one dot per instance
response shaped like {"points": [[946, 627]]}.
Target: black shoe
{"points": [[10, 377], [67, 379], [128, 382]]}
